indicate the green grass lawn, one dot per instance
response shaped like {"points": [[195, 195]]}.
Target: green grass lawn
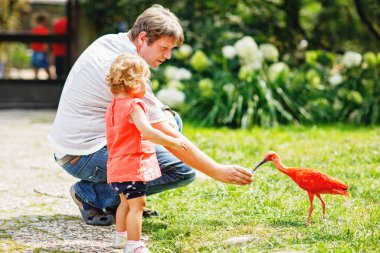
{"points": [[270, 214]]}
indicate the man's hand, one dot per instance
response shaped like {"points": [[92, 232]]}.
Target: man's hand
{"points": [[194, 157], [234, 174], [170, 118]]}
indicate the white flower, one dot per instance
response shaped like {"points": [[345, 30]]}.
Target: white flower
{"points": [[183, 52], [175, 84], [248, 52], [229, 52], [351, 59], [171, 97], [170, 72], [245, 44], [256, 63], [186, 49], [303, 44], [184, 74], [335, 79], [276, 69], [269, 52], [234, 18], [174, 73], [229, 88]]}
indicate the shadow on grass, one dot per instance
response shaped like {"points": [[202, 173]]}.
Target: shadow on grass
{"points": [[151, 226], [287, 223]]}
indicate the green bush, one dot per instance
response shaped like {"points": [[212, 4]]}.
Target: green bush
{"points": [[19, 57], [248, 87], [297, 73]]}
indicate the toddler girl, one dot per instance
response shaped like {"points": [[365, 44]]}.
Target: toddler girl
{"points": [[132, 159]]}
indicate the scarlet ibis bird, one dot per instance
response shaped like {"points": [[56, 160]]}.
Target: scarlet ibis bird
{"points": [[312, 181]]}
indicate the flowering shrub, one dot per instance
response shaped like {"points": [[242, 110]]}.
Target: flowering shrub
{"points": [[199, 61], [351, 59], [171, 97], [183, 52], [270, 52], [229, 52], [174, 73], [248, 84]]}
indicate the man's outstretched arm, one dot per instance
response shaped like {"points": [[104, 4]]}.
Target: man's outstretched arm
{"points": [[194, 157]]}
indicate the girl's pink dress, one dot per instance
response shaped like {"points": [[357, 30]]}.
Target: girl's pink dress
{"points": [[131, 157]]}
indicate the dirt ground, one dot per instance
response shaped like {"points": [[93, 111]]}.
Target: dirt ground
{"points": [[36, 210]]}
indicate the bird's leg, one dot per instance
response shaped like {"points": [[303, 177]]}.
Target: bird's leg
{"points": [[311, 198], [323, 205]]}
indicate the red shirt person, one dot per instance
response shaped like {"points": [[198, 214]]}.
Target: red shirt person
{"points": [[60, 49]]}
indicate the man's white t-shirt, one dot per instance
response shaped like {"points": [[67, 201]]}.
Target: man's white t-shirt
{"points": [[79, 125]]}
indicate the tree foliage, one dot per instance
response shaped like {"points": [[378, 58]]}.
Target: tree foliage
{"points": [[331, 25], [307, 77]]}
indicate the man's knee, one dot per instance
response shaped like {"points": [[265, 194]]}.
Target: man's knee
{"points": [[188, 176]]}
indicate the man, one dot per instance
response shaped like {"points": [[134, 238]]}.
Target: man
{"points": [[78, 133]]}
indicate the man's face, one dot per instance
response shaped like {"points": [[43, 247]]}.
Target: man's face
{"points": [[157, 52]]}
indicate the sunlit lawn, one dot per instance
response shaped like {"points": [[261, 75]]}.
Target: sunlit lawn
{"points": [[269, 215]]}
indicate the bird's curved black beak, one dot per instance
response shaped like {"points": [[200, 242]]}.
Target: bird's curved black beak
{"points": [[258, 165]]}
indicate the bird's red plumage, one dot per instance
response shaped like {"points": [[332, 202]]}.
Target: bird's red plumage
{"points": [[310, 180], [317, 182]]}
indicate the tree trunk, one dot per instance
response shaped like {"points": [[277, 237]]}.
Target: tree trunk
{"points": [[373, 28]]}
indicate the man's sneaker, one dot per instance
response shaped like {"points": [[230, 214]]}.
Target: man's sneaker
{"points": [[90, 214], [147, 213], [119, 241]]}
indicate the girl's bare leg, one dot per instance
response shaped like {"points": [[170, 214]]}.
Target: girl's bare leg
{"points": [[134, 217], [121, 214]]}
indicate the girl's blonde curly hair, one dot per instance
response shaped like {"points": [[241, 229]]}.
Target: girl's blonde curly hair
{"points": [[127, 73]]}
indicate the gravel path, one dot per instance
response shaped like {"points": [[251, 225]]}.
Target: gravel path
{"points": [[36, 210]]}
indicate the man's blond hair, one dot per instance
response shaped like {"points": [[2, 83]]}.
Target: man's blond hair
{"points": [[157, 22]]}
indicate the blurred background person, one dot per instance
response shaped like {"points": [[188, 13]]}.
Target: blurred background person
{"points": [[120, 25], [60, 49], [40, 50]]}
